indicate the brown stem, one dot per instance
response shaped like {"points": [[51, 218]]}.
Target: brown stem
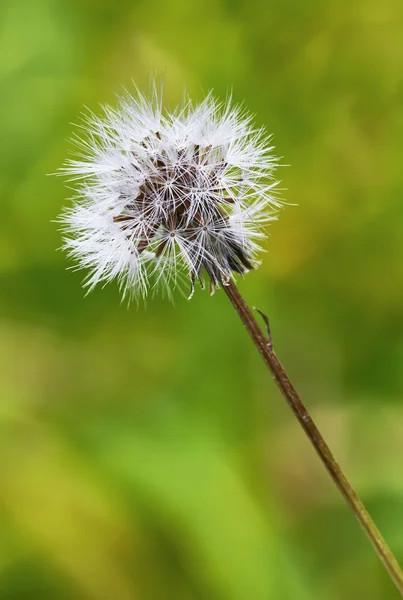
{"points": [[265, 348]]}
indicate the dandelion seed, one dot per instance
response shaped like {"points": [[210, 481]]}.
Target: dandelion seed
{"points": [[165, 194]]}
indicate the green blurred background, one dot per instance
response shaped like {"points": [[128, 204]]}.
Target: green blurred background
{"points": [[146, 454]]}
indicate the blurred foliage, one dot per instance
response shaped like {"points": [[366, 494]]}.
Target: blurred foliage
{"points": [[146, 455]]}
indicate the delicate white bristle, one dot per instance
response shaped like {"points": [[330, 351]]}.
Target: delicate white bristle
{"points": [[164, 194]]}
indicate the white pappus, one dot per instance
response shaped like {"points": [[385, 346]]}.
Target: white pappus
{"points": [[161, 194]]}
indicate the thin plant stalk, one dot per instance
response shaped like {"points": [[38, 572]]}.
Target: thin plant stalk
{"points": [[265, 347]]}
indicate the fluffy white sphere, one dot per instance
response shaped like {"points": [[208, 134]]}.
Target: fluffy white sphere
{"points": [[162, 194]]}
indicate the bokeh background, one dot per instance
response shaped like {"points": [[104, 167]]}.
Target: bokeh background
{"points": [[146, 454]]}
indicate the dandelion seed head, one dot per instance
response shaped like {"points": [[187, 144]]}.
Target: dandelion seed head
{"points": [[162, 196]]}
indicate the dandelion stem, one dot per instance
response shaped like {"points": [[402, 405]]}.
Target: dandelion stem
{"points": [[265, 347]]}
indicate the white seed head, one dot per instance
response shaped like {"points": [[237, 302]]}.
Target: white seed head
{"points": [[164, 194]]}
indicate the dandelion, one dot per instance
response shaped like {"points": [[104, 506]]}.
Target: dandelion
{"points": [[162, 195], [165, 194]]}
